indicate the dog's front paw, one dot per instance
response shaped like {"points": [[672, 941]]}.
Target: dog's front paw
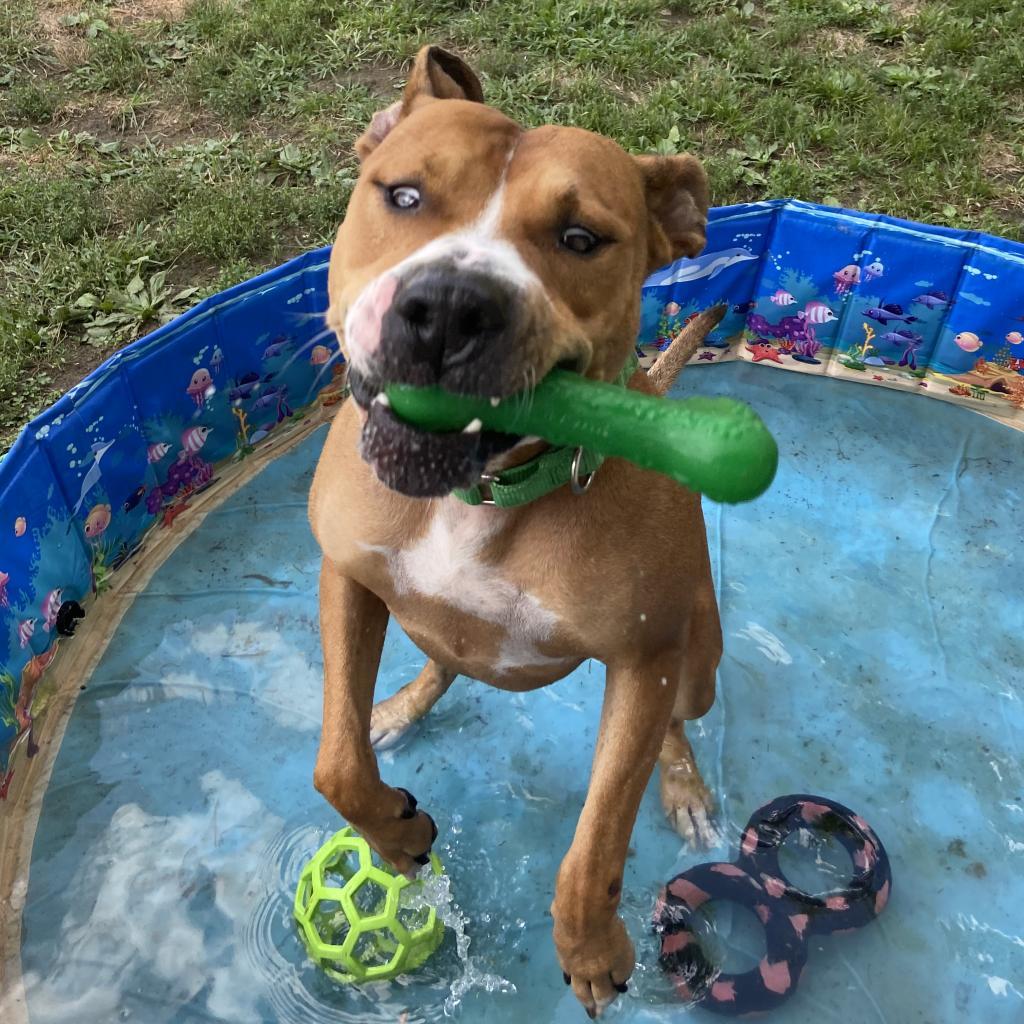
{"points": [[688, 804], [596, 962], [404, 839]]}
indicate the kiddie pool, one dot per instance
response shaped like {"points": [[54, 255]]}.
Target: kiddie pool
{"points": [[158, 802]]}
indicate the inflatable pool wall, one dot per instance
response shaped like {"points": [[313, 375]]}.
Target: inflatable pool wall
{"points": [[928, 310], [125, 452]]}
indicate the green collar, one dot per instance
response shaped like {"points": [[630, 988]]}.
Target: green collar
{"points": [[554, 468]]}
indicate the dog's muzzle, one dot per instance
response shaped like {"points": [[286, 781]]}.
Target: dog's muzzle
{"points": [[458, 329]]}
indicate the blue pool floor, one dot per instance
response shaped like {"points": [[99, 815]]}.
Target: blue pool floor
{"points": [[872, 609]]}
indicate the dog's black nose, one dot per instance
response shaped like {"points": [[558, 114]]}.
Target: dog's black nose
{"points": [[450, 317]]}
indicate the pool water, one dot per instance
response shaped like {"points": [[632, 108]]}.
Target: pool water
{"points": [[872, 604]]}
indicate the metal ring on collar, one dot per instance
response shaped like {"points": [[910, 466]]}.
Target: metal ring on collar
{"points": [[580, 486]]}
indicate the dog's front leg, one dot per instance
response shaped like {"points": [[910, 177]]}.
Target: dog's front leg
{"points": [[591, 941], [352, 626]]}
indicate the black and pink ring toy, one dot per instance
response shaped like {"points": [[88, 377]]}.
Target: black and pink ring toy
{"points": [[789, 915]]}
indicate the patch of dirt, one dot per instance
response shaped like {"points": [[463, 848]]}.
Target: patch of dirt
{"points": [[115, 119], [673, 18], [839, 40], [998, 160], [66, 42], [906, 8], [149, 10], [381, 80]]}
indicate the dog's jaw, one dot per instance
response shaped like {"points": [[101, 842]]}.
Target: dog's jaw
{"points": [[418, 463]]}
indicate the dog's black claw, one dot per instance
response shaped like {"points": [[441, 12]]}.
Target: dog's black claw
{"points": [[411, 803], [433, 829], [422, 858], [566, 978], [622, 989], [592, 1014]]}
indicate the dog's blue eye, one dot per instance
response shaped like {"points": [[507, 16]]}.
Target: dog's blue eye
{"points": [[403, 197], [579, 240]]}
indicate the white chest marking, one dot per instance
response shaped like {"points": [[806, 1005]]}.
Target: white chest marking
{"points": [[445, 564]]}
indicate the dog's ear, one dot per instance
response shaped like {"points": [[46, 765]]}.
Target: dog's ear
{"points": [[677, 201], [436, 75]]}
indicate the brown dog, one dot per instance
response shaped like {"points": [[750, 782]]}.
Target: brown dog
{"points": [[478, 256]]}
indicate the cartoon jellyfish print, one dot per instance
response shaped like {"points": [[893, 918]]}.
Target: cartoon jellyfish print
{"points": [[846, 278], [200, 386]]}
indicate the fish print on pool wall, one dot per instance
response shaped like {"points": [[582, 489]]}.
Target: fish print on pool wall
{"points": [[247, 385], [819, 313], [280, 345], [134, 498], [869, 293], [187, 474], [933, 300], [26, 630], [907, 342], [124, 452], [887, 312], [968, 341]]}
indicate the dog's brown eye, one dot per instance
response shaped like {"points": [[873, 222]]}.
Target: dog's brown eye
{"points": [[579, 240], [403, 197]]}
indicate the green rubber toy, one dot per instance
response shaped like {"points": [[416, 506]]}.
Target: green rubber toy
{"points": [[717, 446], [355, 918]]}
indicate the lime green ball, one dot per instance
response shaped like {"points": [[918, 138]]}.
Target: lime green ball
{"points": [[354, 917]]}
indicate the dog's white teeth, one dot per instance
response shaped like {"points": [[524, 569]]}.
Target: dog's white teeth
{"points": [[382, 399], [473, 427], [495, 402]]}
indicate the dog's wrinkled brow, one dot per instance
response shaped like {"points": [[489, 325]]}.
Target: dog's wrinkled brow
{"points": [[567, 200]]}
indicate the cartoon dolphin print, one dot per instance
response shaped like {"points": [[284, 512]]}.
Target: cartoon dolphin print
{"points": [[711, 264], [92, 477]]}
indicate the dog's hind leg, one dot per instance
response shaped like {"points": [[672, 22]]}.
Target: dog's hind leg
{"points": [[685, 797], [392, 718]]}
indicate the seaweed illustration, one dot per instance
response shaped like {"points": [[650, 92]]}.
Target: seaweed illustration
{"points": [[8, 698], [854, 360], [243, 448], [806, 350], [101, 568]]}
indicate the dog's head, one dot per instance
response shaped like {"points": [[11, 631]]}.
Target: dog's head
{"points": [[477, 256]]}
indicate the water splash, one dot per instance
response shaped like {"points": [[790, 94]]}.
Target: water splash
{"points": [[436, 892]]}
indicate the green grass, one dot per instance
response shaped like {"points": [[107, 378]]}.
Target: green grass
{"points": [[147, 149]]}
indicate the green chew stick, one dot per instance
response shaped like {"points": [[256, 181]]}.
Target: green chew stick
{"points": [[717, 446]]}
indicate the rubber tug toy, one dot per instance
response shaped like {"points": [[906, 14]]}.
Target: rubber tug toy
{"points": [[717, 446], [357, 920], [789, 915]]}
